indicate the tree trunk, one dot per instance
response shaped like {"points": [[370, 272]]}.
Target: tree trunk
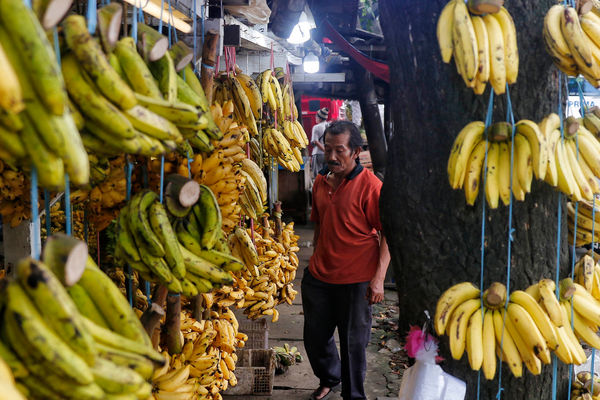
{"points": [[434, 237], [372, 119]]}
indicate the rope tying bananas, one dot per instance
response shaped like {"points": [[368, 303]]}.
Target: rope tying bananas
{"points": [[484, 47], [571, 164]]}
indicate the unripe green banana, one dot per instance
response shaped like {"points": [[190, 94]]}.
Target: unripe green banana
{"points": [[56, 307], [163, 229], [21, 312]]}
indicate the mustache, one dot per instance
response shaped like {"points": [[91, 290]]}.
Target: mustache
{"points": [[333, 163]]}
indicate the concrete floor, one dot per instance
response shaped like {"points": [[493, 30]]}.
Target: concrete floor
{"points": [[299, 382]]}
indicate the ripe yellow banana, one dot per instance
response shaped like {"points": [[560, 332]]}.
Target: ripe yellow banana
{"points": [[497, 54], [492, 192], [504, 173], [510, 44], [463, 145], [523, 162], [444, 31], [466, 42], [489, 346], [509, 348], [451, 299]]}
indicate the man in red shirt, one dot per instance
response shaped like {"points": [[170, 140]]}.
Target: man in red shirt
{"points": [[346, 272]]}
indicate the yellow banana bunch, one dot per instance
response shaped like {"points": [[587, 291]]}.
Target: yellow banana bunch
{"points": [[220, 169], [270, 269], [207, 363], [573, 41], [587, 220], [484, 47], [533, 323], [58, 220], [585, 386], [14, 195]]}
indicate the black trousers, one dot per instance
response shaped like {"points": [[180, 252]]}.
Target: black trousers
{"points": [[326, 307]]}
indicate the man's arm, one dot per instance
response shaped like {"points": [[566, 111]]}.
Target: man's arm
{"points": [[316, 234], [375, 289], [319, 145]]}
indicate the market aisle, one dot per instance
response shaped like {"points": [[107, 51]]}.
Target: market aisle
{"points": [[299, 382]]}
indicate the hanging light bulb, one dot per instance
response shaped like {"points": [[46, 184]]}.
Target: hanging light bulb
{"points": [[311, 63], [301, 31]]}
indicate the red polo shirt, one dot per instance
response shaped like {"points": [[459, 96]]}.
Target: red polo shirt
{"points": [[347, 249]]}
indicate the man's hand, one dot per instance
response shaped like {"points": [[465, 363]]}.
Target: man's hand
{"points": [[375, 291]]}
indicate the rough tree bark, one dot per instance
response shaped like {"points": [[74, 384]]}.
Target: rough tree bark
{"points": [[371, 119], [434, 236]]}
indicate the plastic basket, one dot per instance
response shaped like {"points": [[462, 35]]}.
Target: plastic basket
{"points": [[258, 333], [255, 372]]}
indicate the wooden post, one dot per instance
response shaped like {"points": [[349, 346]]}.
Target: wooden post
{"points": [[173, 324], [209, 62], [150, 319]]}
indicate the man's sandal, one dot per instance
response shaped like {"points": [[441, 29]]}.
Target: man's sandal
{"points": [[320, 389]]}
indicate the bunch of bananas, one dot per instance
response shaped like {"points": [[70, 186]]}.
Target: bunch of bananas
{"points": [[285, 137], [587, 222], [244, 94], [267, 280], [484, 46], [587, 273], [183, 256], [282, 135], [221, 169], [585, 386], [254, 197], [535, 322], [468, 156], [14, 195], [80, 342], [568, 163], [58, 223], [7, 384], [207, 363], [41, 131], [573, 41]]}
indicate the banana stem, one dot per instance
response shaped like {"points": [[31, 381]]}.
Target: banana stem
{"points": [[499, 131], [567, 289], [495, 296], [150, 319], [572, 127], [480, 7], [173, 324]]}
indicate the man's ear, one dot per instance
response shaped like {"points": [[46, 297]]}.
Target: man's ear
{"points": [[356, 152]]}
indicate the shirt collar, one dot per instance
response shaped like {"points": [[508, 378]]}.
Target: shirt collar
{"points": [[353, 174]]}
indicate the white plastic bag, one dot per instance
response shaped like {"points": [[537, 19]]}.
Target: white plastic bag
{"points": [[427, 381], [256, 12]]}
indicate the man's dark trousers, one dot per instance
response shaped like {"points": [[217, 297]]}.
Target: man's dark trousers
{"points": [[327, 306]]}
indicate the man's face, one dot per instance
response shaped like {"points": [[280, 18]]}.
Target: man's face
{"points": [[339, 156]]}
